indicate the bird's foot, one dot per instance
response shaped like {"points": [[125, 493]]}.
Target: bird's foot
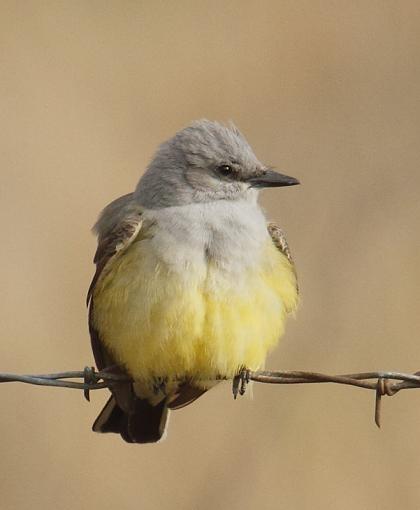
{"points": [[240, 381]]}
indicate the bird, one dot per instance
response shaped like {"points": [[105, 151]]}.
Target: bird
{"points": [[192, 284]]}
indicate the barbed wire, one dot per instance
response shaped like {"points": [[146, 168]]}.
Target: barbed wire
{"points": [[382, 383]]}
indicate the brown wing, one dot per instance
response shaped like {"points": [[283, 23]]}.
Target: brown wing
{"points": [[111, 244], [136, 419], [279, 239]]}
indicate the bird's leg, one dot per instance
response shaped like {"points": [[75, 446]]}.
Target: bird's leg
{"points": [[159, 385], [240, 381]]}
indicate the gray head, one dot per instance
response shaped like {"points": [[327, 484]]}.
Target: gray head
{"points": [[205, 162]]}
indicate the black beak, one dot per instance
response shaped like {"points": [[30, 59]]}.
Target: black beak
{"points": [[272, 179]]}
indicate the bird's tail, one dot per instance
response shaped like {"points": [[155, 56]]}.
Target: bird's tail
{"points": [[144, 424]]}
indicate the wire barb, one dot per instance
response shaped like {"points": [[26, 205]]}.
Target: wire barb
{"points": [[89, 378], [383, 383], [380, 390]]}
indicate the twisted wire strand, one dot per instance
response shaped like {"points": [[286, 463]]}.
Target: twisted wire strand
{"points": [[382, 382]]}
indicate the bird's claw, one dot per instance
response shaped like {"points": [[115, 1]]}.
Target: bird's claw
{"points": [[240, 382]]}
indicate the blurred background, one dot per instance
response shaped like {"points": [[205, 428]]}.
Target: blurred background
{"points": [[327, 91]]}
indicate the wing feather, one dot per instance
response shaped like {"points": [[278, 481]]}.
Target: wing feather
{"points": [[118, 227], [113, 242], [280, 241]]}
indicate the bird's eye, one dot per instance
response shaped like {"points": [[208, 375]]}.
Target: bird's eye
{"points": [[225, 169]]}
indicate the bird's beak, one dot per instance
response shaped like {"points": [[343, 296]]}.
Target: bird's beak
{"points": [[272, 179]]}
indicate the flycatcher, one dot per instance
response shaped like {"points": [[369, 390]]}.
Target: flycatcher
{"points": [[191, 283]]}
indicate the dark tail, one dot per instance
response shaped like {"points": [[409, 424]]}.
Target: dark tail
{"points": [[145, 424]]}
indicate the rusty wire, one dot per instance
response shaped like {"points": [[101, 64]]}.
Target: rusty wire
{"points": [[383, 383]]}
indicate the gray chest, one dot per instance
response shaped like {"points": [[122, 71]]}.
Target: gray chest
{"points": [[230, 235]]}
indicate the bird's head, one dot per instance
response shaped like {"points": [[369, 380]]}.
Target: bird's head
{"points": [[205, 162]]}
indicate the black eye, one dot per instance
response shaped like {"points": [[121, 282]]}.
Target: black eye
{"points": [[225, 169]]}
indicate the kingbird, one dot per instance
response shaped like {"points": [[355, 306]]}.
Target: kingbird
{"points": [[191, 282]]}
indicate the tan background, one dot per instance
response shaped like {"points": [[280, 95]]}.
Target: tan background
{"points": [[328, 91]]}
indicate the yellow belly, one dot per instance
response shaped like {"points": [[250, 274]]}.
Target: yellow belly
{"points": [[199, 323]]}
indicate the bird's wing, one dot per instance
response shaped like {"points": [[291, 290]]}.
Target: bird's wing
{"points": [[112, 242], [279, 239], [118, 227]]}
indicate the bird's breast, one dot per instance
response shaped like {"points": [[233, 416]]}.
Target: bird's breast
{"points": [[228, 235], [197, 298]]}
